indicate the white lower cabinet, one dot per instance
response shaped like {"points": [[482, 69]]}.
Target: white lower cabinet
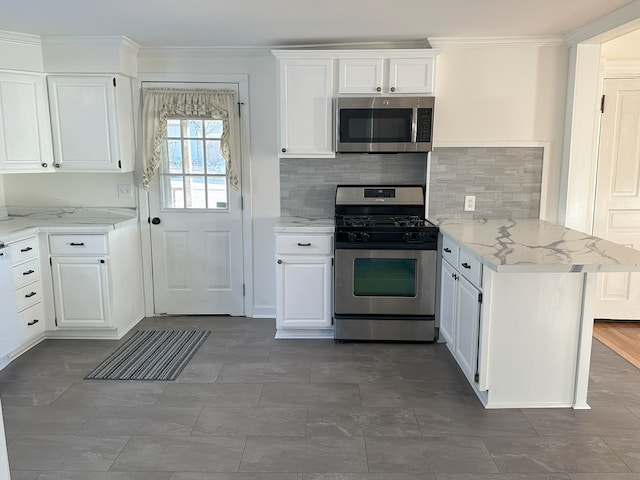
{"points": [[304, 284], [515, 335], [97, 283], [81, 291], [29, 290], [460, 319]]}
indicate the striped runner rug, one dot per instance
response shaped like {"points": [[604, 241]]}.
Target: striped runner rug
{"points": [[151, 355]]}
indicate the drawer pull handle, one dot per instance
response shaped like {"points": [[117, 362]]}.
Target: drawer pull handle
{"points": [[33, 323], [27, 249], [29, 295], [81, 244], [466, 265], [28, 272], [448, 250], [304, 244], [1, 254]]}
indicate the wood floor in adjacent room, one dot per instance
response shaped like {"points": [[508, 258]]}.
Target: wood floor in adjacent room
{"points": [[621, 337]]}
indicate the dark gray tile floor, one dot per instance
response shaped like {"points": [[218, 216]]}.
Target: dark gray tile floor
{"points": [[249, 407]]}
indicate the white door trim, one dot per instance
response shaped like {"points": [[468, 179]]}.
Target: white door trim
{"points": [[143, 197]]}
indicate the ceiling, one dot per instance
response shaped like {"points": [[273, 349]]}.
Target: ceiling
{"points": [[268, 23]]}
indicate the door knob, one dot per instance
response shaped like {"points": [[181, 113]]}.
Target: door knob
{"points": [[155, 220]]}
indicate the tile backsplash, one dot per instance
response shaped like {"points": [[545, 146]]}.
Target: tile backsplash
{"points": [[308, 185], [505, 180]]}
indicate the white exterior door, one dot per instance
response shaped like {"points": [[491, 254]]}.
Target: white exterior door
{"points": [[617, 209], [196, 224]]}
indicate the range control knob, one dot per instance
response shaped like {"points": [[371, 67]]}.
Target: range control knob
{"points": [[365, 237], [352, 237]]}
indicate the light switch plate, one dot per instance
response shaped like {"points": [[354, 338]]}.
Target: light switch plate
{"points": [[469, 203]]}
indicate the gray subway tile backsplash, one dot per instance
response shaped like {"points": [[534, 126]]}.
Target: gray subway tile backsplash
{"points": [[505, 180]]}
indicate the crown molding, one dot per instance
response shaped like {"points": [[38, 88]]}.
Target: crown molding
{"points": [[621, 68], [470, 42], [626, 19], [21, 38], [90, 41]]}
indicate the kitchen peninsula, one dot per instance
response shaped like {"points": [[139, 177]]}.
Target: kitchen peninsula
{"points": [[516, 307]]}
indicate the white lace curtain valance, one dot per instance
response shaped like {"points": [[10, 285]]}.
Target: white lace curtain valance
{"points": [[159, 104]]}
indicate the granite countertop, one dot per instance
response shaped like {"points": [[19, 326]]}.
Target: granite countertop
{"points": [[22, 220], [304, 225], [531, 245]]}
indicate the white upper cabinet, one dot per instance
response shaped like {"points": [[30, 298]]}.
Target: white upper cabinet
{"points": [[25, 131], [305, 106], [91, 122], [387, 75]]}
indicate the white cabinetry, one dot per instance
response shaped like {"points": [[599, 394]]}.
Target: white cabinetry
{"points": [[410, 73], [9, 334], [27, 281], [25, 130], [305, 105], [460, 315], [97, 285], [304, 279], [92, 122]]}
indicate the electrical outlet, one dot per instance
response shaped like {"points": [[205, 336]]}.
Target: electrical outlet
{"points": [[469, 203], [124, 190]]}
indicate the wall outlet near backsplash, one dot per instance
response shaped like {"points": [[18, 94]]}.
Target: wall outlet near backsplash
{"points": [[505, 181]]}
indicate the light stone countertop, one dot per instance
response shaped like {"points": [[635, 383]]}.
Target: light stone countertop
{"points": [[531, 245], [23, 221], [304, 225]]}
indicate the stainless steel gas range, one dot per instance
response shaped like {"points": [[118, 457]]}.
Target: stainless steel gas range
{"points": [[385, 264]]}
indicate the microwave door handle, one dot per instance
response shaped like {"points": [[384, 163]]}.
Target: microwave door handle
{"points": [[414, 126]]}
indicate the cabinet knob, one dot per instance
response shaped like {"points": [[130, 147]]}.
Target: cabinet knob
{"points": [[393, 89], [379, 89], [101, 261], [284, 150], [57, 165], [279, 262], [155, 221], [44, 165]]}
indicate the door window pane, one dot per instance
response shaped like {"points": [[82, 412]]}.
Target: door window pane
{"points": [[194, 174], [385, 277]]}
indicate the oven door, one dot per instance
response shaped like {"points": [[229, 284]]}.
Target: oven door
{"points": [[385, 282]]}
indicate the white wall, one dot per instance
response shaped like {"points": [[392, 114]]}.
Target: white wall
{"points": [[265, 170], [504, 94], [66, 189], [622, 48]]}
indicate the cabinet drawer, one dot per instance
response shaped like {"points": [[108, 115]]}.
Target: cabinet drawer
{"points": [[24, 250], [28, 295], [31, 321], [78, 244], [304, 244], [449, 250], [26, 273], [470, 267]]}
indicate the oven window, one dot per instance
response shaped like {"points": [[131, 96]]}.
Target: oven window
{"points": [[385, 277], [365, 125]]}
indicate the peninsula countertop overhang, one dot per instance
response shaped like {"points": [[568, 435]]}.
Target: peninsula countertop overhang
{"points": [[532, 245]]}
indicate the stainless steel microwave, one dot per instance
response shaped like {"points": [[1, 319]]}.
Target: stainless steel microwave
{"points": [[384, 124]]}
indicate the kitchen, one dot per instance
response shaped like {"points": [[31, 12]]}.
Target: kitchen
{"points": [[489, 95]]}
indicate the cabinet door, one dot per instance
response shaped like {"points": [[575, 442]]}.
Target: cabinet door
{"points": [[448, 293], [306, 88], [467, 327], [81, 291], [83, 122], [25, 131], [9, 327], [411, 75], [360, 75], [303, 292]]}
